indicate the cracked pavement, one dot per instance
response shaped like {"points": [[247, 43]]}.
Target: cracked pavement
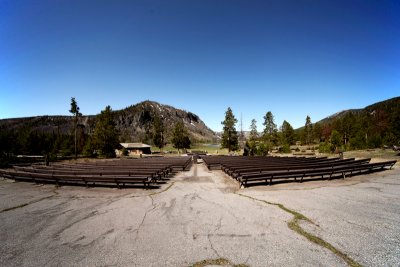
{"points": [[196, 216]]}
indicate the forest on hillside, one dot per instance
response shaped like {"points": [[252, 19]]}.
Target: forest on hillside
{"points": [[375, 126], [32, 137]]}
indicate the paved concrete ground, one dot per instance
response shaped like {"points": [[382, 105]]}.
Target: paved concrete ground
{"points": [[199, 215]]}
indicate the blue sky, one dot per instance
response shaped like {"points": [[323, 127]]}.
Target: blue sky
{"points": [[293, 58]]}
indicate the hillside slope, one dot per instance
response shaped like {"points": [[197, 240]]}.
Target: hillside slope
{"points": [[134, 123], [389, 106]]}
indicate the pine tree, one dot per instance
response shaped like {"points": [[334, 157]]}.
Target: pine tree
{"points": [[180, 136], [287, 133], [253, 137], [105, 136], [308, 131], [253, 130], [270, 130], [230, 135], [317, 132], [75, 112]]}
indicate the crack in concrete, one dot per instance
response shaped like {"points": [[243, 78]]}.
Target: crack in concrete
{"points": [[294, 226], [137, 230], [100, 237], [212, 247], [75, 245], [91, 214], [219, 225], [217, 228], [217, 262], [26, 204], [218, 205], [162, 191], [112, 198], [155, 193]]}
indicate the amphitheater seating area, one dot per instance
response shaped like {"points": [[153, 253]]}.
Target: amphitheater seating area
{"points": [[147, 171], [116, 172], [258, 170]]}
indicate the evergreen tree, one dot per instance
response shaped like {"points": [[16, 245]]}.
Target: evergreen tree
{"points": [[262, 149], [270, 131], [230, 135], [89, 148], [158, 132], [253, 131], [336, 139], [180, 136], [317, 132], [105, 136], [347, 126], [253, 137], [75, 112], [308, 131], [287, 133]]}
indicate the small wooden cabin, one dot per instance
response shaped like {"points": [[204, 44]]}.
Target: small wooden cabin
{"points": [[135, 149]]}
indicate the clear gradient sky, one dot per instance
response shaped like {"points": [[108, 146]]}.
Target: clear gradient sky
{"points": [[294, 58]]}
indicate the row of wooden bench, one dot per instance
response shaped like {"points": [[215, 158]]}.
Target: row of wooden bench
{"points": [[120, 173], [215, 162], [248, 170], [176, 163]]}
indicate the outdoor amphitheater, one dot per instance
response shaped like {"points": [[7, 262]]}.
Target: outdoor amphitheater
{"points": [[202, 210]]}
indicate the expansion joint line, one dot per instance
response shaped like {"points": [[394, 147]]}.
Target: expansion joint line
{"points": [[295, 226]]}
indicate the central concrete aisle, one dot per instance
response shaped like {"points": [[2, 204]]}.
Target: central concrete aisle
{"points": [[200, 217]]}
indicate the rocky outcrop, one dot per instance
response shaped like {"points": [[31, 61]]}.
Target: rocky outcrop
{"points": [[135, 123]]}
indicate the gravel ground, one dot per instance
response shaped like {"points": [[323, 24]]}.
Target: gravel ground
{"points": [[199, 215]]}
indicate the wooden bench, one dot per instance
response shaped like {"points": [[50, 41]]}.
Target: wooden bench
{"points": [[317, 172], [239, 172], [119, 172], [80, 179]]}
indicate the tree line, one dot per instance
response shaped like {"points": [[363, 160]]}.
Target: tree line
{"points": [[361, 129], [103, 141], [354, 130]]}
